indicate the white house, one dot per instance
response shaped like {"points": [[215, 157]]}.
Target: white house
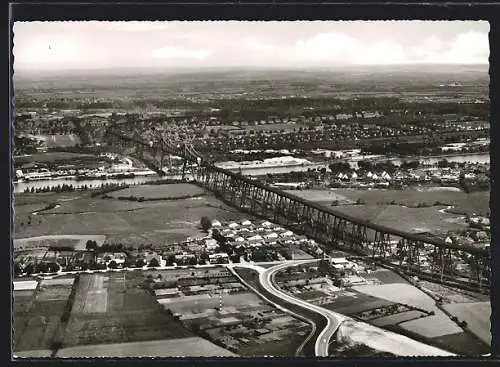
{"points": [[216, 223], [286, 234], [266, 224], [233, 225], [218, 258], [210, 244], [271, 236], [246, 223], [255, 238]]}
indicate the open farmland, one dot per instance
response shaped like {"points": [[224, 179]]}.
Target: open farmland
{"points": [[129, 222], [353, 332], [245, 324], [353, 302], [40, 353], [477, 202], [52, 157], [399, 293], [76, 242], [167, 191], [190, 346], [61, 141], [415, 220], [431, 326], [477, 315], [114, 308], [37, 317]]}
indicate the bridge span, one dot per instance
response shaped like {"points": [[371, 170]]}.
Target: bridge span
{"points": [[332, 228]]}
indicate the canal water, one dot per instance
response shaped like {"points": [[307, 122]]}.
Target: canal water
{"points": [[21, 186]]}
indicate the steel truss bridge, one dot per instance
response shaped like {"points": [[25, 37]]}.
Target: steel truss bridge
{"points": [[400, 250]]}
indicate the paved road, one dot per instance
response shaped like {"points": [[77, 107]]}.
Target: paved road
{"points": [[266, 278], [333, 320]]}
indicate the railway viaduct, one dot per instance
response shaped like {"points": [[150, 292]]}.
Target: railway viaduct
{"points": [[335, 230]]}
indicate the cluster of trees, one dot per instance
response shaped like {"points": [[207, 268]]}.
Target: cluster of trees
{"points": [[106, 188], [205, 223], [33, 268], [59, 188]]}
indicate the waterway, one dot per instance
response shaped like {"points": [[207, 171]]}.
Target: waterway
{"points": [[21, 186]]}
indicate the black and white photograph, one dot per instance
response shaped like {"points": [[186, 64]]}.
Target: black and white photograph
{"points": [[251, 189]]}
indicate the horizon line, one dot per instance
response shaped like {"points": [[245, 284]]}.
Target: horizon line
{"points": [[270, 68]]}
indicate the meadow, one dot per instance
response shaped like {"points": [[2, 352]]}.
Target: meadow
{"points": [[403, 213], [112, 308], [477, 202], [127, 222]]}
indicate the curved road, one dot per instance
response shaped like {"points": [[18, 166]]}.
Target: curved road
{"points": [[333, 319]]}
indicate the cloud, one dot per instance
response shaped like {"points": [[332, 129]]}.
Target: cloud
{"points": [[382, 53], [172, 52], [257, 45], [325, 47], [466, 48]]}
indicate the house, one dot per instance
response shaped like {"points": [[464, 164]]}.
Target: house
{"points": [[254, 238], [266, 224], [216, 223], [210, 244], [246, 223], [271, 235], [340, 263], [184, 256], [233, 225], [286, 234], [218, 258]]}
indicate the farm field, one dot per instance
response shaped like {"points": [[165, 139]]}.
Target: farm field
{"points": [[353, 302], [112, 308], [41, 353], [396, 319], [477, 202], [77, 242], [407, 219], [431, 326], [400, 293], [190, 346], [58, 141], [171, 191], [37, 318], [51, 157], [128, 222], [477, 315], [352, 332], [200, 303]]}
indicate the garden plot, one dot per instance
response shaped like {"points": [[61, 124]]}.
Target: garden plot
{"points": [[477, 315], [57, 281], [396, 318], [400, 293], [432, 326], [25, 285]]}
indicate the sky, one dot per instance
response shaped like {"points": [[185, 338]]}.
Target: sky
{"points": [[303, 44]]}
